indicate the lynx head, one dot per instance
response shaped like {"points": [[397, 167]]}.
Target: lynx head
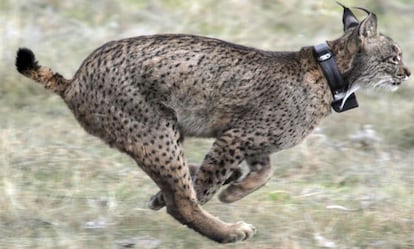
{"points": [[366, 57]]}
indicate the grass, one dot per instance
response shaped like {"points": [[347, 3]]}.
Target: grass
{"points": [[61, 188]]}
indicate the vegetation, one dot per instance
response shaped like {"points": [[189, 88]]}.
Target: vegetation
{"points": [[349, 185]]}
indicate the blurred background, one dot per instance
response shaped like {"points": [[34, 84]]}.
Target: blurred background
{"points": [[349, 185]]}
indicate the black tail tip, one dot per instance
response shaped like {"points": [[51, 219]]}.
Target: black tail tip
{"points": [[25, 60]]}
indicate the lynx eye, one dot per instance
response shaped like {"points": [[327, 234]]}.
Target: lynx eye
{"points": [[394, 59]]}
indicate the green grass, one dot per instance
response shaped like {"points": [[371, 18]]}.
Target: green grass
{"points": [[62, 188]]}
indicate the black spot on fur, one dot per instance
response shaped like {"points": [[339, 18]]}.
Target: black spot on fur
{"points": [[25, 60]]}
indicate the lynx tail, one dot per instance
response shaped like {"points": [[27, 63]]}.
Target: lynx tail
{"points": [[27, 65]]}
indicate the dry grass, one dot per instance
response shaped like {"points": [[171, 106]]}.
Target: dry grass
{"points": [[61, 188]]}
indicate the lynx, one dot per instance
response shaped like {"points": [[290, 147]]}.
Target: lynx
{"points": [[143, 95]]}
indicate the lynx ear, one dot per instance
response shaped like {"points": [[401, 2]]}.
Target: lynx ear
{"points": [[368, 27], [348, 18]]}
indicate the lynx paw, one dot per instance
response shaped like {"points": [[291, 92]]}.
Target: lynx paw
{"points": [[252, 182], [239, 231], [235, 192]]}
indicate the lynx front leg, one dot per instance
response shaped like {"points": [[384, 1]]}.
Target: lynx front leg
{"points": [[260, 173], [219, 165]]}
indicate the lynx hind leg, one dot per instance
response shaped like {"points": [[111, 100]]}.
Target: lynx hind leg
{"points": [[156, 202], [260, 172], [172, 176]]}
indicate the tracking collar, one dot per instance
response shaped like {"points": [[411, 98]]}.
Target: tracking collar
{"points": [[336, 83]]}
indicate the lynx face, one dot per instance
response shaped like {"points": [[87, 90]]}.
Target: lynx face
{"points": [[377, 59], [380, 64]]}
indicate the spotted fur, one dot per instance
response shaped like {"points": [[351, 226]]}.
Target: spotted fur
{"points": [[142, 95]]}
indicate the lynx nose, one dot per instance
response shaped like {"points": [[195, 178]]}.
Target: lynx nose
{"points": [[404, 72], [407, 72]]}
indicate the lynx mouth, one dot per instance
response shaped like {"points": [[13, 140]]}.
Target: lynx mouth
{"points": [[399, 80], [388, 83]]}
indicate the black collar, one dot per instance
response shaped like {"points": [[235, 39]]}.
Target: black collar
{"points": [[336, 83]]}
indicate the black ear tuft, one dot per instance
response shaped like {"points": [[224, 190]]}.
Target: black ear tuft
{"points": [[25, 60], [348, 18]]}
